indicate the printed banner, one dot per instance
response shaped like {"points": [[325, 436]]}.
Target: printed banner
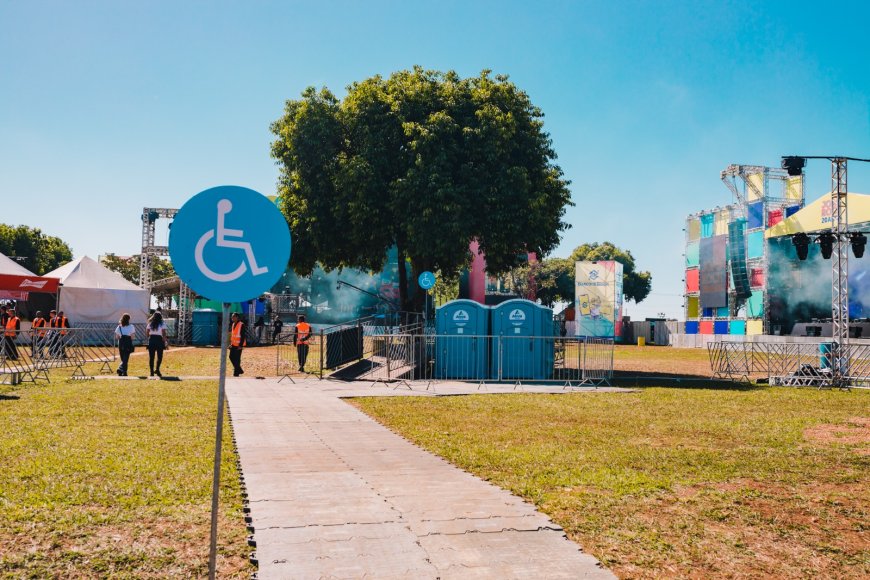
{"points": [[598, 298]]}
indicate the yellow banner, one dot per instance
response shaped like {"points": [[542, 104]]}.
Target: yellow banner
{"points": [[818, 216]]}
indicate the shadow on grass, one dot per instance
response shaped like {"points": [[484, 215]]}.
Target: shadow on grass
{"points": [[666, 380], [9, 397]]}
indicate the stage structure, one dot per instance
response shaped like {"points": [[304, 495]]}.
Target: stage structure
{"points": [[726, 258], [598, 299], [150, 215]]}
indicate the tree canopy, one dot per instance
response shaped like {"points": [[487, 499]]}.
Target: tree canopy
{"points": [[425, 161], [128, 267], [39, 253]]}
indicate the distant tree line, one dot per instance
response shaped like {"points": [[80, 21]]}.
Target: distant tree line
{"points": [[32, 249]]}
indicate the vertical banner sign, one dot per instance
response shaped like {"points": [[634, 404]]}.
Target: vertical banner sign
{"points": [[229, 244], [598, 298]]}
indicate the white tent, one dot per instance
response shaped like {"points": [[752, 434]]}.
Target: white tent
{"points": [[10, 266], [91, 293]]}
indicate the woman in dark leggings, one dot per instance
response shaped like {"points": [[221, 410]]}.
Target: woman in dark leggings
{"points": [[157, 341]]}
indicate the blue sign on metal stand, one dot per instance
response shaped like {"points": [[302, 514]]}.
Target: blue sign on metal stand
{"points": [[426, 280], [231, 244]]}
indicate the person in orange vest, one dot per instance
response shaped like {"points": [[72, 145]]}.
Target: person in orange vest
{"points": [[300, 338], [39, 328], [10, 333], [61, 323], [237, 343]]}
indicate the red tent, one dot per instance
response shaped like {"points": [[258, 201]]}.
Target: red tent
{"points": [[17, 287]]}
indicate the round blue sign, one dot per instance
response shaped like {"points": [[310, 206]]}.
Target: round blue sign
{"points": [[426, 280], [229, 243]]}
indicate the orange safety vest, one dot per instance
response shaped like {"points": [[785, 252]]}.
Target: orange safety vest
{"points": [[236, 338], [10, 326], [303, 328], [59, 322], [39, 323]]}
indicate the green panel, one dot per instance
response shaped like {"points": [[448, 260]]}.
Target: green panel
{"points": [[755, 304], [692, 309], [692, 254], [722, 312]]}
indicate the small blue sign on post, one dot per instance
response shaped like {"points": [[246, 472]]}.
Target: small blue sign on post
{"points": [[229, 243], [426, 280]]}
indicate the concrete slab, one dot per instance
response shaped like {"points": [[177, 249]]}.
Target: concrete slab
{"points": [[334, 494]]}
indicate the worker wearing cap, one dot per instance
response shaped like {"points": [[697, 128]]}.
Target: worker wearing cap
{"points": [[10, 334]]}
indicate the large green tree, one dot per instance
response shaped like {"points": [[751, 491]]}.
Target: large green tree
{"points": [[37, 252], [424, 161]]}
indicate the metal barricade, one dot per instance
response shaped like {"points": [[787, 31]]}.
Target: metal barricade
{"points": [[29, 354]]}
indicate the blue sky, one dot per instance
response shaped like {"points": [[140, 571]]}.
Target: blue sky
{"points": [[108, 107]]}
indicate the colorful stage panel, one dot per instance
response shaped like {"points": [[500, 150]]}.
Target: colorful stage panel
{"points": [[692, 307], [774, 217], [693, 229], [713, 278], [794, 188], [707, 225], [692, 254], [723, 312], [755, 304], [691, 327], [754, 327], [757, 181], [791, 210], [755, 245], [756, 215], [720, 223], [693, 280], [706, 327], [720, 327], [737, 327], [756, 277]]}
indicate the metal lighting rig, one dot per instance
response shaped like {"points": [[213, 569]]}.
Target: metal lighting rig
{"points": [[840, 239]]}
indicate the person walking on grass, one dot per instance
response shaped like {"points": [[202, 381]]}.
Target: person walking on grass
{"points": [[157, 342], [39, 330], [124, 333], [237, 343], [300, 338], [10, 334]]}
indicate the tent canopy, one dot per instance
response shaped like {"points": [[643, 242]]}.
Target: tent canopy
{"points": [[10, 266], [16, 281], [92, 293]]}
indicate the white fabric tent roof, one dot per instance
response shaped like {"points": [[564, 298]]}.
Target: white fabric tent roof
{"points": [[10, 266], [91, 293]]}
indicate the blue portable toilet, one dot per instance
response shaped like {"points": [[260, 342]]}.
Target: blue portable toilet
{"points": [[462, 340], [518, 349], [205, 328]]}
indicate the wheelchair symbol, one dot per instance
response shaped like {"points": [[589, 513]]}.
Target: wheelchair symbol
{"points": [[224, 207]]}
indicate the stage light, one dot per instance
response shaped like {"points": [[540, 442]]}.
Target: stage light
{"points": [[859, 242], [826, 243], [801, 245], [794, 165]]}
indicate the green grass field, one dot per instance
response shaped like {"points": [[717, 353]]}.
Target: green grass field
{"points": [[112, 478], [667, 482]]}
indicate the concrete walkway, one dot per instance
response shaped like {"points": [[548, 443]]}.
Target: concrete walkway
{"points": [[333, 494]]}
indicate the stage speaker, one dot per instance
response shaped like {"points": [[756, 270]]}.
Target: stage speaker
{"points": [[737, 251]]}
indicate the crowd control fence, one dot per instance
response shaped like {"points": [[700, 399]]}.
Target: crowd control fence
{"points": [[353, 353], [791, 363], [30, 354]]}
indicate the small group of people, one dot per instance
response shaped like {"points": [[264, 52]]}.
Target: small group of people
{"points": [[158, 341], [47, 338], [238, 340]]}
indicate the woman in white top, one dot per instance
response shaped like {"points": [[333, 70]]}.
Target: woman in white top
{"points": [[157, 341], [124, 333]]}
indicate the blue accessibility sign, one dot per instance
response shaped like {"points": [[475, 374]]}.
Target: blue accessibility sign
{"points": [[426, 280], [229, 243]]}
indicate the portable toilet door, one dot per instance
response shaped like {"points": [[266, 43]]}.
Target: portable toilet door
{"points": [[461, 340], [516, 348]]}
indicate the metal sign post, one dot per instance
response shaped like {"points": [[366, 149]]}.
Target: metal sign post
{"points": [[231, 244], [216, 478]]}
